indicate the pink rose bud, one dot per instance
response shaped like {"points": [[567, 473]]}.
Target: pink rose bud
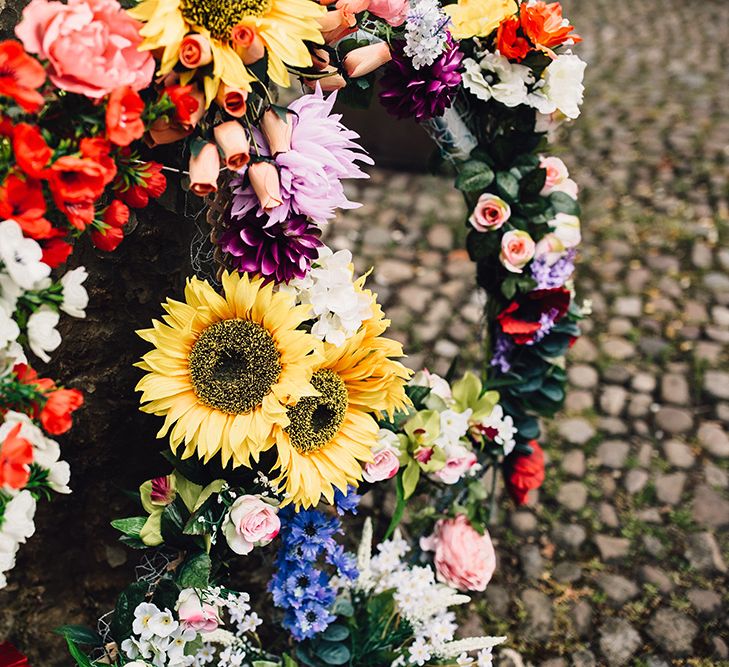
{"points": [[464, 559], [320, 59], [196, 614], [366, 59], [248, 43], [195, 51], [393, 11], [251, 522], [164, 131], [277, 131], [334, 81], [490, 213], [460, 460], [337, 24], [353, 6], [266, 184], [204, 169], [233, 100], [556, 173], [233, 141], [517, 249], [385, 466]]}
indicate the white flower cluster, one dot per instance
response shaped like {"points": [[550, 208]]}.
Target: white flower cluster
{"points": [[337, 306], [426, 32], [16, 526], [158, 638], [559, 90]]}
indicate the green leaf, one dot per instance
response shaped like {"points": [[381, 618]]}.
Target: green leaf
{"points": [[343, 607], [508, 287], [532, 183], [563, 203], [131, 526], [482, 245], [335, 633], [80, 634], [474, 175], [79, 657], [553, 391], [166, 593], [131, 597], [331, 653], [288, 661], [399, 507], [410, 477], [195, 572], [508, 185]]}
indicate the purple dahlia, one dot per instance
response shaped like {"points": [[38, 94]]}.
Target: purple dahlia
{"points": [[423, 93], [279, 251]]}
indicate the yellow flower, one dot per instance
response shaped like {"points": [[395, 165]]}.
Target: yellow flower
{"points": [[478, 18], [330, 435], [282, 26], [226, 368]]}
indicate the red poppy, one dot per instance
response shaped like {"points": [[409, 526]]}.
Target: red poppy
{"points": [[510, 44], [544, 25], [524, 473], [137, 195], [115, 216], [56, 251], [28, 375], [16, 455], [99, 150], [76, 184], [32, 153], [6, 126], [11, 657], [124, 121], [55, 415], [521, 319], [20, 75], [185, 103], [23, 201]]}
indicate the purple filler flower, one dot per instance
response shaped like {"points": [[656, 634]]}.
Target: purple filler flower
{"points": [[423, 93], [279, 251], [549, 275]]}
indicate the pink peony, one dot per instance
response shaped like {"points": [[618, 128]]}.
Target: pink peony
{"points": [[393, 11], [250, 523], [196, 614], [490, 213], [91, 45], [464, 559], [460, 460], [385, 466]]}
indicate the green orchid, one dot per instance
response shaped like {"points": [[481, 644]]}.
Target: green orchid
{"points": [[418, 449], [468, 393]]}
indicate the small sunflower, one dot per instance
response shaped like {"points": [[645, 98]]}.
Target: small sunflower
{"points": [[225, 369], [329, 435], [282, 26]]}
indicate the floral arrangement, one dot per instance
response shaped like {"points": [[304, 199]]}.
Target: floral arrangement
{"points": [[283, 400]]}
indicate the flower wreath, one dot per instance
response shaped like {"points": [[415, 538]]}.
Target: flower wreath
{"points": [[280, 392]]}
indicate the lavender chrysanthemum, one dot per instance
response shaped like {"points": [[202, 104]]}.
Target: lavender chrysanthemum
{"points": [[279, 251], [323, 152], [553, 275], [423, 93]]}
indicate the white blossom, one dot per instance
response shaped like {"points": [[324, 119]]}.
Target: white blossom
{"points": [[163, 624], [75, 296], [426, 32], [9, 329], [495, 77], [560, 88], [42, 334], [143, 614], [21, 257]]}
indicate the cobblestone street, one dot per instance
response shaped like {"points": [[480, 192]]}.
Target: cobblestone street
{"points": [[622, 559]]}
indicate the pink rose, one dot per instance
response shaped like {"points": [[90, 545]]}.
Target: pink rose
{"points": [[558, 178], [196, 614], [91, 45], [385, 466], [250, 523], [195, 51], [393, 11], [490, 213], [460, 460], [517, 248], [464, 559]]}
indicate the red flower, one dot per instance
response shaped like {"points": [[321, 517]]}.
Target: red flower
{"points": [[56, 251], [524, 473], [16, 455], [509, 43], [185, 103], [137, 196], [521, 319], [32, 153], [55, 415], [124, 116], [76, 184], [6, 126], [23, 201], [116, 216], [11, 657], [27, 375], [99, 150], [542, 23], [20, 75]]}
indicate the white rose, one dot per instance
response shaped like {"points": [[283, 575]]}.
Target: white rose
{"points": [[495, 77], [21, 256], [59, 475], [42, 334], [75, 296], [10, 292]]}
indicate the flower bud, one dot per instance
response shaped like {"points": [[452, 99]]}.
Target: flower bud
{"points": [[233, 141], [337, 24], [366, 59], [277, 131], [248, 43], [266, 184], [233, 100], [204, 169], [195, 51]]}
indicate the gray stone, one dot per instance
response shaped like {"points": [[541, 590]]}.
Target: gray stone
{"points": [[653, 545], [618, 641], [716, 384], [715, 476], [393, 271], [714, 439], [553, 662], [678, 454], [628, 306], [612, 399], [720, 315], [569, 536], [654, 575], [583, 376], [579, 401], [618, 348], [612, 548], [612, 426], [653, 346], [608, 515], [573, 463], [636, 480], [655, 661], [640, 405], [583, 350], [572, 495], [675, 389], [617, 374], [584, 658], [576, 431], [705, 602], [721, 650], [498, 599], [674, 420], [567, 572], [440, 236], [716, 282], [539, 618], [710, 508], [523, 522], [581, 617], [673, 631], [617, 588], [649, 515], [643, 382], [531, 561], [613, 453], [669, 488]]}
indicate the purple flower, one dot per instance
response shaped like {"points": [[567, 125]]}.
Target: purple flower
{"points": [[549, 275], [503, 347], [323, 152], [546, 324], [423, 93], [279, 251]]}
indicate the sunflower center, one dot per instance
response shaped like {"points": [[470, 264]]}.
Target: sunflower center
{"points": [[233, 365], [221, 16], [315, 420]]}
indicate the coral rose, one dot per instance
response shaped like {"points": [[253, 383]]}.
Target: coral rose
{"points": [[233, 100], [464, 559], [195, 51], [524, 473], [266, 184], [20, 75], [124, 121], [366, 59], [233, 141], [250, 523], [91, 45], [204, 169]]}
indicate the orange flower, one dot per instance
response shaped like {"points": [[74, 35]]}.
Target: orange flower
{"points": [[187, 104], [115, 217], [99, 150], [124, 121], [31, 151], [23, 201], [56, 413], [509, 43], [16, 455], [20, 75], [544, 25]]}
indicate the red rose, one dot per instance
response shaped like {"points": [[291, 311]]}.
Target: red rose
{"points": [[56, 252], [185, 103], [20, 75], [56, 413], [521, 319], [508, 41], [11, 657], [524, 473], [124, 121], [544, 25], [23, 201], [32, 153]]}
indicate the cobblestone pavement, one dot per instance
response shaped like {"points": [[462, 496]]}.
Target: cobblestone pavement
{"points": [[622, 559]]}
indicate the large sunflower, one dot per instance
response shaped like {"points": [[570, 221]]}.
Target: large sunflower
{"points": [[282, 25], [329, 435], [225, 368]]}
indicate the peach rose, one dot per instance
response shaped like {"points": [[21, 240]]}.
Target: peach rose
{"points": [[517, 249], [233, 141], [204, 169], [558, 178], [248, 43], [551, 247], [337, 24], [266, 184], [91, 45], [250, 523], [366, 59], [334, 80], [195, 51], [393, 11], [277, 132], [196, 614], [464, 559], [233, 100], [490, 213]]}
